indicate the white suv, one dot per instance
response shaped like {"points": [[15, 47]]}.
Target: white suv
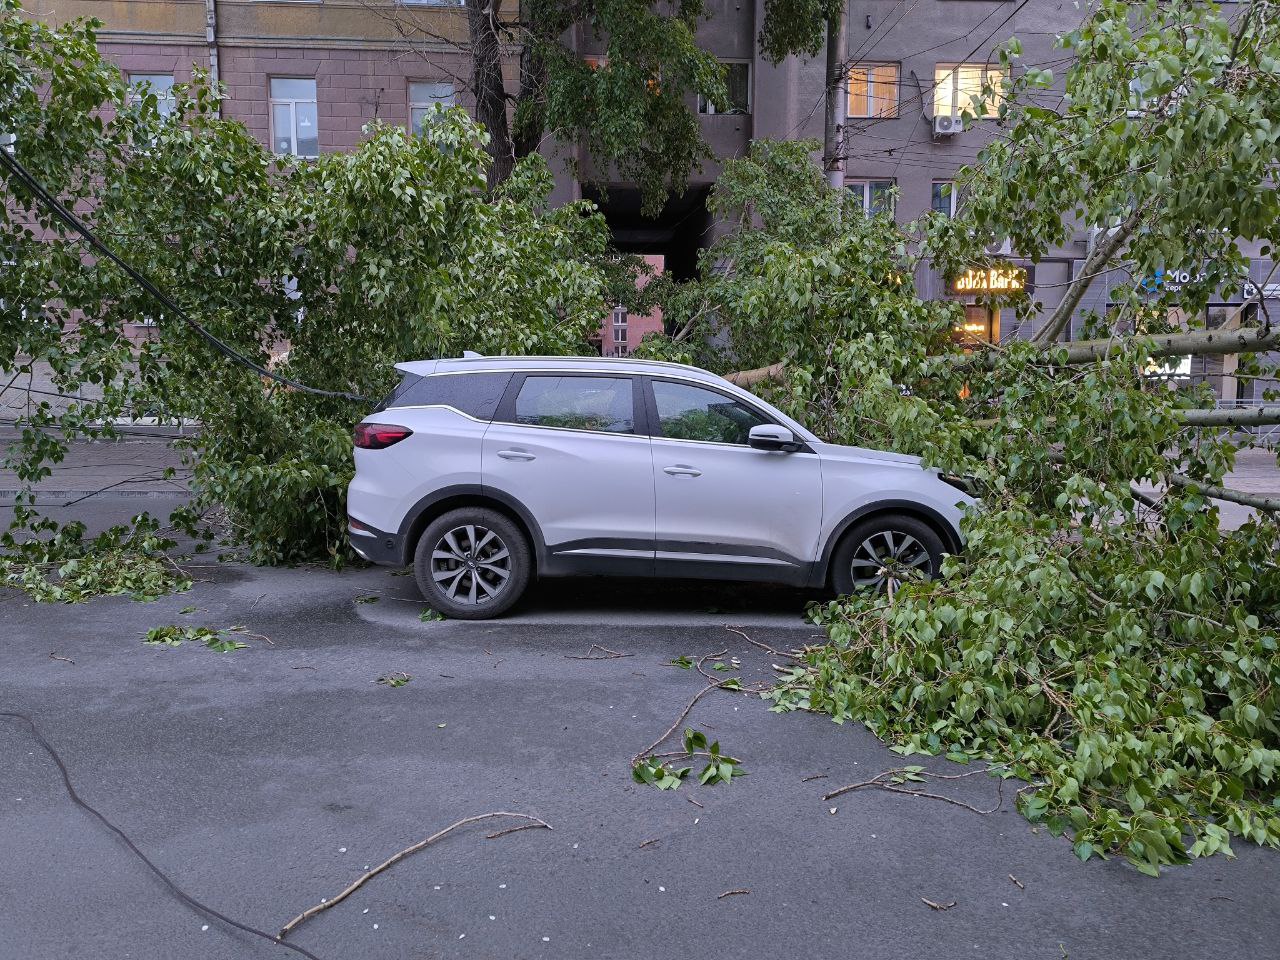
{"points": [[486, 471]]}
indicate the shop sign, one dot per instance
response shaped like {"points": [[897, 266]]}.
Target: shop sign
{"points": [[1001, 279]]}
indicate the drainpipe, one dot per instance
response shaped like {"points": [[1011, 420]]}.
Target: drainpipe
{"points": [[211, 38]]}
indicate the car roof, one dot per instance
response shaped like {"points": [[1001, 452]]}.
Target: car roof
{"points": [[616, 365]]}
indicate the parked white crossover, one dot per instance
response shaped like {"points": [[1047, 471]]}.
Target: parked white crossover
{"points": [[484, 472]]}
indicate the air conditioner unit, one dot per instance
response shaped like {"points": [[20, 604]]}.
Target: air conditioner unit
{"points": [[947, 125]]}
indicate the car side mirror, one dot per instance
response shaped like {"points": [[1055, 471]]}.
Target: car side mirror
{"points": [[768, 436]]}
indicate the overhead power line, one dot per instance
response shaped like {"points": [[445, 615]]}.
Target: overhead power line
{"points": [[56, 207]]}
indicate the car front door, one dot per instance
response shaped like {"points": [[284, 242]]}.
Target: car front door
{"points": [[725, 509], [565, 445]]}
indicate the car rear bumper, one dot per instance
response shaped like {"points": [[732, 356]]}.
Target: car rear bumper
{"points": [[376, 546]]}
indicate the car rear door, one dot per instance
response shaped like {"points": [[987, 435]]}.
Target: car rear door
{"points": [[571, 447], [725, 509]]}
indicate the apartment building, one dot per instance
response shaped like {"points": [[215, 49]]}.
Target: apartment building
{"points": [[306, 75]]}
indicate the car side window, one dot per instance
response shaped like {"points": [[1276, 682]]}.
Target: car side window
{"points": [[692, 413], [577, 403], [475, 394]]}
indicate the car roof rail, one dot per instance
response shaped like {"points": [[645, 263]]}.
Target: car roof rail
{"points": [[472, 355]]}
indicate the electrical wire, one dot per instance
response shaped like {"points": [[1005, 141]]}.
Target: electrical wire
{"points": [[173, 888], [24, 176]]}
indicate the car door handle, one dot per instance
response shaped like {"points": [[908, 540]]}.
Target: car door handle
{"points": [[516, 455], [682, 470]]}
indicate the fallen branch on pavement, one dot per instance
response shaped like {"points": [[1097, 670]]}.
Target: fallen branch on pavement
{"points": [[323, 905], [900, 775], [604, 654]]}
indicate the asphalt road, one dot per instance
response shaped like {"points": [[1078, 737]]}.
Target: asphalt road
{"points": [[266, 779]]}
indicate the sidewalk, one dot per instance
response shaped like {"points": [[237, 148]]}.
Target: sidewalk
{"points": [[132, 467]]}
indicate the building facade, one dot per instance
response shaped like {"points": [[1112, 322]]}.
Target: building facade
{"points": [[305, 76]]}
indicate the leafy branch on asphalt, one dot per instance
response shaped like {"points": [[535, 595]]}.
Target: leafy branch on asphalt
{"points": [[219, 640]]}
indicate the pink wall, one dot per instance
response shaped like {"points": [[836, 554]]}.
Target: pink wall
{"points": [[638, 324]]}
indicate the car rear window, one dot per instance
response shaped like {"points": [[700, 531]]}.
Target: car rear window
{"points": [[475, 394]]}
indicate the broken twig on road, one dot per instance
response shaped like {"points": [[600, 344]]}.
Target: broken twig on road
{"points": [[407, 851]]}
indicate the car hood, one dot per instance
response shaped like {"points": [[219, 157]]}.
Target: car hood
{"points": [[836, 451]]}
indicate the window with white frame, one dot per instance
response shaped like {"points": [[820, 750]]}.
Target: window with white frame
{"points": [[943, 199], [737, 83], [873, 90], [295, 128], [425, 99], [876, 195], [620, 328], [158, 85], [958, 87]]}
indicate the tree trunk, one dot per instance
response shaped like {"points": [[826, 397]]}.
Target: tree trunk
{"points": [[488, 86], [837, 102], [1259, 416]]}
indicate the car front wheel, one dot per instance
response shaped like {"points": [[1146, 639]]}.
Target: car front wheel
{"points": [[472, 563], [883, 552]]}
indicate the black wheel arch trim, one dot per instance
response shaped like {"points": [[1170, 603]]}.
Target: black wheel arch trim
{"points": [[950, 536], [412, 522]]}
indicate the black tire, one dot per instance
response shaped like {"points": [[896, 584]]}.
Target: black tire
{"points": [[916, 545], [464, 578]]}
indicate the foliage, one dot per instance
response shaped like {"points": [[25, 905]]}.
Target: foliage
{"points": [[431, 615], [68, 567], [330, 270], [662, 773], [1120, 655], [795, 27], [396, 680], [630, 108], [217, 640]]}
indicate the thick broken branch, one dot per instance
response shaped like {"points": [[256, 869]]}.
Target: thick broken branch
{"points": [[747, 378], [1232, 417], [1200, 343], [1259, 501]]}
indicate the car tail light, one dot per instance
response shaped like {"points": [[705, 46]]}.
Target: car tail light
{"points": [[375, 436]]}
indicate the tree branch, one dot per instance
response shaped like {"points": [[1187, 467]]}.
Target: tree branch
{"points": [[1228, 417], [1098, 258], [1256, 500], [1199, 343], [747, 378]]}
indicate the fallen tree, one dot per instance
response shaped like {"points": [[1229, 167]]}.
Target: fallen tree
{"points": [[1115, 649]]}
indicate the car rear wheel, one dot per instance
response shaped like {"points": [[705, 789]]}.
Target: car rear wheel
{"points": [[883, 552], [472, 563]]}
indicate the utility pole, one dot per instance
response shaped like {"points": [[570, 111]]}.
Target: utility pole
{"points": [[837, 96], [211, 39]]}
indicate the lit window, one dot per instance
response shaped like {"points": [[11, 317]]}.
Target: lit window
{"points": [[425, 99], [158, 85], [876, 195], [944, 198], [295, 129], [960, 87], [737, 83], [873, 90]]}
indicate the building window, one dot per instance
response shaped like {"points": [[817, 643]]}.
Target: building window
{"points": [[159, 85], [425, 99], [737, 82], [944, 197], [295, 130], [873, 90], [620, 329], [876, 195], [961, 86]]}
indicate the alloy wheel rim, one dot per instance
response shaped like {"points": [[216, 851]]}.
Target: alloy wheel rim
{"points": [[470, 564], [884, 560]]}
